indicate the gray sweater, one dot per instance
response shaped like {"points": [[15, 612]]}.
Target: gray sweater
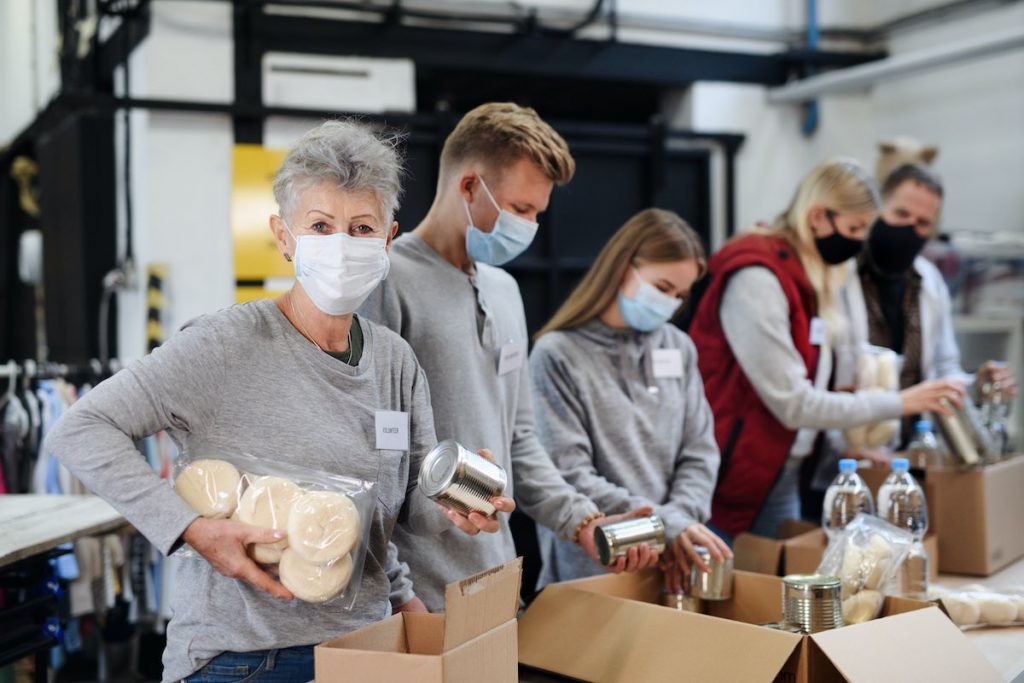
{"points": [[457, 324], [245, 377], [620, 434]]}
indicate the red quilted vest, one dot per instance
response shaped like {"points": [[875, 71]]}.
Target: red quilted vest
{"points": [[753, 443]]}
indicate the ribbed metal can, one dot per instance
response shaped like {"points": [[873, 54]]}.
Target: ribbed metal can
{"points": [[614, 540], [812, 602], [460, 479], [715, 584], [681, 602]]}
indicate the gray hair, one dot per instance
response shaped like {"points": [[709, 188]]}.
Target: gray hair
{"points": [[348, 154]]}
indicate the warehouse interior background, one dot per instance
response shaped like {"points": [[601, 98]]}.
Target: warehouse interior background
{"points": [[123, 123]]}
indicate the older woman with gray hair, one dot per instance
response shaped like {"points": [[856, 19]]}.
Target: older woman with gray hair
{"points": [[298, 380]]}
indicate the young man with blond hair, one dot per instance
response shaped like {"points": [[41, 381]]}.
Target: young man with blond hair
{"points": [[463, 315]]}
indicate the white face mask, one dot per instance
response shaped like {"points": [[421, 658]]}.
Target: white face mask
{"points": [[510, 237], [339, 271]]}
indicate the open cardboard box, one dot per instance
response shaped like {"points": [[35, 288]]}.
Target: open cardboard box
{"points": [[805, 552], [474, 640], [975, 513], [611, 629], [764, 555]]}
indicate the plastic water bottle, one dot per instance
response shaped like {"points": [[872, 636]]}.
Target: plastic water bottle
{"points": [[924, 451], [901, 502], [845, 497]]}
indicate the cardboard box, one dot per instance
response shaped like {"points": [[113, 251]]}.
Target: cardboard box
{"points": [[763, 555], [610, 629], [804, 553], [976, 514], [474, 640]]}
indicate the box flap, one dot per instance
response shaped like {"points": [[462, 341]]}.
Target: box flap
{"points": [[921, 645], [477, 604], [757, 554], [792, 528], [592, 636]]}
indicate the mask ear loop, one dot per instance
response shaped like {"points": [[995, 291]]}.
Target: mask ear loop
{"points": [[489, 195], [295, 240]]}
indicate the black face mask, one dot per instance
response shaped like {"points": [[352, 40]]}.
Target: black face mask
{"points": [[893, 248], [836, 248]]}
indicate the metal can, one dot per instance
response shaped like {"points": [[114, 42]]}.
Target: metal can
{"points": [[461, 480], [681, 601], [812, 602], [613, 540], [711, 585]]}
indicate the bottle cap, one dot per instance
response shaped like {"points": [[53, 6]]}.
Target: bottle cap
{"points": [[900, 465], [847, 465], [923, 426]]}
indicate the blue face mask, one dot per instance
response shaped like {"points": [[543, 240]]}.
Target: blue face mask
{"points": [[649, 308], [509, 238]]}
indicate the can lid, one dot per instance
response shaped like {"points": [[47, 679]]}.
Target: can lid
{"points": [[438, 468], [809, 581]]}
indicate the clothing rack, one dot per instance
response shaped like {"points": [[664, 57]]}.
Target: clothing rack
{"points": [[93, 371]]}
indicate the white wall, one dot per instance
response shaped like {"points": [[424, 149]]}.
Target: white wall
{"points": [[29, 65]]}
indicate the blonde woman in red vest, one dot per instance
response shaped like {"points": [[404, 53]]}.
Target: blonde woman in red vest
{"points": [[763, 328]]}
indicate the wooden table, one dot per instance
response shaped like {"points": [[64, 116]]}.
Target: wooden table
{"points": [[30, 525], [1004, 647]]}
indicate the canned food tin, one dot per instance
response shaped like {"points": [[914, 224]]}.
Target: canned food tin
{"points": [[711, 585], [613, 540], [681, 602], [812, 602], [461, 480]]}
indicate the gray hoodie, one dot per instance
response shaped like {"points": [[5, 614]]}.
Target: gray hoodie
{"points": [[622, 432]]}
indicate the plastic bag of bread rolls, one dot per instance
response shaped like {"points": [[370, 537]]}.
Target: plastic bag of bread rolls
{"points": [[326, 516], [978, 606], [878, 370], [865, 556]]}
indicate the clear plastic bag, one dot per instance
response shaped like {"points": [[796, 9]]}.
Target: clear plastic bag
{"points": [[865, 556], [326, 517], [978, 606], [878, 370]]}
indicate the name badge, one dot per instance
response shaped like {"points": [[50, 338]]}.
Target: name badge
{"points": [[512, 357], [392, 429], [668, 363], [819, 331]]}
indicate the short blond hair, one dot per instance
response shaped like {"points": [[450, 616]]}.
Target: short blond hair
{"points": [[500, 134]]}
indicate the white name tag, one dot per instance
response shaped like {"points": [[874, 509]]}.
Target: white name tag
{"points": [[819, 331], [512, 357], [668, 363], [392, 429]]}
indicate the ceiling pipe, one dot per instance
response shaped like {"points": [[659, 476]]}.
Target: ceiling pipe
{"points": [[898, 66]]}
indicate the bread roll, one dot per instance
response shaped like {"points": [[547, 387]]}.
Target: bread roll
{"points": [[881, 433], [888, 376], [323, 526], [314, 582], [996, 609], [857, 437], [210, 487], [963, 609], [267, 503], [864, 606], [867, 371]]}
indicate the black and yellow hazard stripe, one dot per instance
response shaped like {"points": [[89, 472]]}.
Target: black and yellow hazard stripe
{"points": [[156, 276]]}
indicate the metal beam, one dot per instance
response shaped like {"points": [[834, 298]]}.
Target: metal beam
{"points": [[898, 66]]}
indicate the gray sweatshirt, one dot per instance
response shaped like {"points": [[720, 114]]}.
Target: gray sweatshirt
{"points": [[622, 431], [755, 319], [245, 377], [457, 324]]}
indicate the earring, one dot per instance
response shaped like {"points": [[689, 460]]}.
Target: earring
{"points": [[288, 258]]}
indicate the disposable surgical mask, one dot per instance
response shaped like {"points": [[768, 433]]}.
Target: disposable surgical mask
{"points": [[510, 237], [339, 271], [649, 308]]}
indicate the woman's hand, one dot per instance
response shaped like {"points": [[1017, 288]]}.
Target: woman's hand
{"points": [[682, 555], [636, 558], [879, 457], [931, 397], [414, 605], [993, 371], [475, 522], [222, 542]]}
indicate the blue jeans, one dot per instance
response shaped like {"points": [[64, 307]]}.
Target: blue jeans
{"points": [[783, 502], [287, 665]]}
